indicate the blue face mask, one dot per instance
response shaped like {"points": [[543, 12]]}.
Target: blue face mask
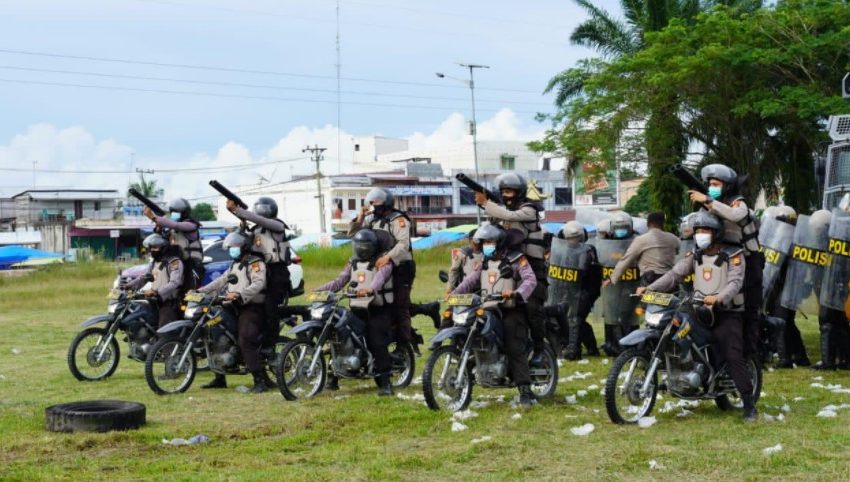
{"points": [[234, 252], [621, 233], [715, 191], [175, 216], [489, 250]]}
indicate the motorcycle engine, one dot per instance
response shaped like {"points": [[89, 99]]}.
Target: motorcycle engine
{"points": [[491, 366], [688, 381], [347, 357], [140, 343], [223, 353]]}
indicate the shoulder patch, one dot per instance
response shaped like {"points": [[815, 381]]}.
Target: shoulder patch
{"points": [[401, 222], [523, 262], [256, 266], [736, 260], [174, 264], [689, 253]]}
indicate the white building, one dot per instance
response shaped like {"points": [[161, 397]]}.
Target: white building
{"points": [[38, 205]]}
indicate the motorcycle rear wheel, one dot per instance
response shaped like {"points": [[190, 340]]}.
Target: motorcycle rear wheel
{"points": [[439, 381], [623, 401], [403, 364], [544, 379], [733, 401]]}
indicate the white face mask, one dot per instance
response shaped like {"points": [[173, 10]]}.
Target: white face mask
{"points": [[703, 240]]}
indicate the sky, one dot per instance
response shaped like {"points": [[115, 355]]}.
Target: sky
{"points": [[107, 87]]}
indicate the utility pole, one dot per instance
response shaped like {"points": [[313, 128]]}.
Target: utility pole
{"points": [[316, 156], [338, 97]]}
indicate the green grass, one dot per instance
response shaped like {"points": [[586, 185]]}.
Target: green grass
{"points": [[354, 435]]}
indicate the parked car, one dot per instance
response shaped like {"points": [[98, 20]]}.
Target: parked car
{"points": [[217, 261]]}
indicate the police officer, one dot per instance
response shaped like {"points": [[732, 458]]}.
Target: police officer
{"points": [[686, 246], [725, 201], [618, 309], [520, 213], [385, 217], [269, 234], [516, 288], [574, 285], [183, 233], [654, 253], [375, 299], [166, 275], [246, 300], [718, 282], [834, 286], [465, 260]]}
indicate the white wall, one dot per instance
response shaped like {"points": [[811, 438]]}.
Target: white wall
{"points": [[461, 156]]}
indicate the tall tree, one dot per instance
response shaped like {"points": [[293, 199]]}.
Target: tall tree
{"points": [[147, 187]]}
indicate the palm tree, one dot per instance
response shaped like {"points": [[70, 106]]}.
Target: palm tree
{"points": [[145, 187]]}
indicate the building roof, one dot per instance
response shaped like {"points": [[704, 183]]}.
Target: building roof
{"points": [[69, 194]]}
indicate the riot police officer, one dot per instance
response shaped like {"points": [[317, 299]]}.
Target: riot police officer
{"points": [[719, 279], [166, 275], [246, 299], [384, 216], [520, 213], [834, 288], [465, 260], [375, 299], [185, 235], [686, 246], [618, 309], [510, 273], [654, 253], [574, 284], [270, 242], [726, 202]]}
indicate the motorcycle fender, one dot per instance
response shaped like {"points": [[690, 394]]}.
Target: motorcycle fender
{"points": [[175, 326], [448, 334], [306, 326], [639, 336], [95, 320], [134, 316]]}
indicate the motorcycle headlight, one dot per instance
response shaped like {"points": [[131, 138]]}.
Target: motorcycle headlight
{"points": [[191, 312], [463, 318], [117, 282], [318, 312], [112, 308], [654, 319]]}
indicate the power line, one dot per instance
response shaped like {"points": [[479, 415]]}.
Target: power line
{"points": [[233, 96], [188, 170], [253, 86], [244, 71]]}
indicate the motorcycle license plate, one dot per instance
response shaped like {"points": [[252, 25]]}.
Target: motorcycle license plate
{"points": [[194, 296], [460, 300], [655, 298], [318, 296]]}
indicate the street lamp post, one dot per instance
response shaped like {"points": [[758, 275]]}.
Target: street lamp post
{"points": [[474, 129]]}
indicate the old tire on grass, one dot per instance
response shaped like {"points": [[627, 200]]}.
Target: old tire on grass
{"points": [[94, 416]]}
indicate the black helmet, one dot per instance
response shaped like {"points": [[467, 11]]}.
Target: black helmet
{"points": [[266, 207], [156, 244], [706, 220], [515, 182], [368, 243], [236, 239], [490, 232], [382, 196], [721, 172], [181, 206]]}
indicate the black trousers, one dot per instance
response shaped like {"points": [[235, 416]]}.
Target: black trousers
{"points": [[168, 312], [250, 330], [794, 347], [278, 286], [536, 317], [379, 332], [515, 340], [403, 276], [729, 346], [754, 264], [648, 278]]}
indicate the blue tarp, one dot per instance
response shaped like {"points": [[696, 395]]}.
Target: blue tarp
{"points": [[438, 238], [10, 255], [555, 228]]}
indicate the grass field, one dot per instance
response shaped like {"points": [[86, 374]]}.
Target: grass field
{"points": [[354, 435]]}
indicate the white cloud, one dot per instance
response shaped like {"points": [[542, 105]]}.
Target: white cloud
{"points": [[75, 148]]}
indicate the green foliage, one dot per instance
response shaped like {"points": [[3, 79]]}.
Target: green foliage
{"points": [[203, 212], [639, 204], [148, 188]]}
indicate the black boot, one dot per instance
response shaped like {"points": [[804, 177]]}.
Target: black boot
{"points": [[781, 347], [259, 383], [385, 388], [588, 339], [526, 396], [573, 351], [750, 413], [332, 383], [431, 310], [268, 381], [827, 349], [218, 382], [537, 355], [606, 345], [613, 333]]}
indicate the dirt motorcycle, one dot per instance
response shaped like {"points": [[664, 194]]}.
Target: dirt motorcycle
{"points": [[675, 347], [94, 353], [474, 354], [334, 341], [207, 332]]}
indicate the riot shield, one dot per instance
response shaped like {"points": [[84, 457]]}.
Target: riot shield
{"points": [[589, 216], [834, 288], [567, 265], [775, 238], [807, 260], [618, 308]]}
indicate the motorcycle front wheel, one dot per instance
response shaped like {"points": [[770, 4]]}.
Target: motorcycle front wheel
{"points": [[163, 372], [623, 400], [293, 371], [89, 358], [440, 383], [403, 364], [733, 400]]}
